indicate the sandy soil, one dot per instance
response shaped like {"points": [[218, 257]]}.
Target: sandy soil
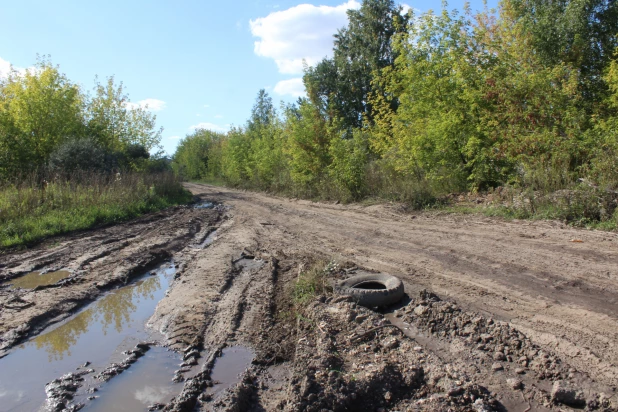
{"points": [[499, 315]]}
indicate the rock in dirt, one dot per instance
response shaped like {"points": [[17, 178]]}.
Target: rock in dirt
{"points": [[561, 392], [514, 383], [497, 366]]}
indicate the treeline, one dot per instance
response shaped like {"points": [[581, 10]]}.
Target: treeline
{"points": [[50, 124], [412, 107]]}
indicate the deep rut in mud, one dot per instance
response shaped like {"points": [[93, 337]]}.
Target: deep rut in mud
{"points": [[482, 328]]}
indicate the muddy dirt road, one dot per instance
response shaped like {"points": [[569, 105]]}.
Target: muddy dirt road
{"points": [[518, 316]]}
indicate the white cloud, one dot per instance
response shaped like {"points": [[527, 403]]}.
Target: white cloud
{"points": [[303, 32], [210, 126], [207, 106], [174, 137], [218, 116], [5, 68], [293, 87], [153, 105]]}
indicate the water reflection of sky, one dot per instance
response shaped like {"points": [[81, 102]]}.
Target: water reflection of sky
{"points": [[146, 382], [92, 335]]}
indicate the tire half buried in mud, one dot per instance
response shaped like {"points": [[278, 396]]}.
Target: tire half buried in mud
{"points": [[372, 289]]}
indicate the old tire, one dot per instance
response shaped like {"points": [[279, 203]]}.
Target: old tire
{"points": [[373, 289]]}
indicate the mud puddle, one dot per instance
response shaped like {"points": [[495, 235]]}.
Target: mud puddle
{"points": [[211, 237], [115, 322], [146, 383], [33, 279], [228, 368], [249, 263], [204, 205]]}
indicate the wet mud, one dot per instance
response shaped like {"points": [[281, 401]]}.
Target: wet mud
{"points": [[229, 367], [498, 316], [36, 279]]}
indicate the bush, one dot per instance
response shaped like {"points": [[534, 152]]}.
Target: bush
{"points": [[81, 155]]}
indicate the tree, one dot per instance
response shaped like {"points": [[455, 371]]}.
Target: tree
{"points": [[196, 156], [115, 124], [307, 144], [580, 33], [263, 112], [39, 109], [340, 86]]}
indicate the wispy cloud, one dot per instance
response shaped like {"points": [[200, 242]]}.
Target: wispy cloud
{"points": [[293, 87], [174, 137], [218, 116], [153, 105], [210, 126], [303, 32], [5, 69]]}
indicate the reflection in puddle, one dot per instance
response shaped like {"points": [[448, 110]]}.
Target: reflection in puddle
{"points": [[249, 264], [116, 320], [147, 382], [229, 366], [212, 236], [204, 205], [34, 279]]}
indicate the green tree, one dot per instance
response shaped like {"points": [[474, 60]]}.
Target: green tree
{"points": [[262, 114], [340, 86], [307, 144], [115, 124], [39, 109], [580, 33], [197, 155]]}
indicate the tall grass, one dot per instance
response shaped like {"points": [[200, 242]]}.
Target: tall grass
{"points": [[33, 208]]}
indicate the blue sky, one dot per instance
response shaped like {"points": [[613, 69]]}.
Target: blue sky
{"points": [[197, 63]]}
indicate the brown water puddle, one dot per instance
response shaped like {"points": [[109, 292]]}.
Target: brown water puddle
{"points": [[145, 383], [34, 279], [228, 368], [115, 322]]}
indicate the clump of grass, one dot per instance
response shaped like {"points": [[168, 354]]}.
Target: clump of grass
{"points": [[312, 282], [32, 209]]}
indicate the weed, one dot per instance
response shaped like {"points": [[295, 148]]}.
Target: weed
{"points": [[312, 282], [31, 210]]}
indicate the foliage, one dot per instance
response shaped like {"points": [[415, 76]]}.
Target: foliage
{"points": [[348, 166], [197, 155], [579, 33], [117, 126], [340, 86], [81, 155], [413, 108], [41, 110], [312, 282]]}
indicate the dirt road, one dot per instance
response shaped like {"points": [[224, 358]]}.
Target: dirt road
{"points": [[500, 315]]}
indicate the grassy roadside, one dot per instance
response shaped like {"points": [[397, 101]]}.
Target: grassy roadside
{"points": [[30, 211], [586, 208]]}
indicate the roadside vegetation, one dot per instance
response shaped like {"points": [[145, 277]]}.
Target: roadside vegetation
{"points": [[72, 160], [521, 101]]}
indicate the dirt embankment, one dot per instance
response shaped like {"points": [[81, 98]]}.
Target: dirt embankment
{"points": [[499, 315]]}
